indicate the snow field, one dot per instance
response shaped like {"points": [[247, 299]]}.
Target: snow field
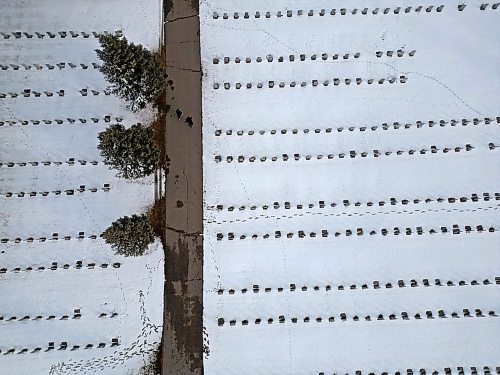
{"points": [[347, 261], [351, 187], [468, 338], [70, 304], [426, 175], [101, 205]]}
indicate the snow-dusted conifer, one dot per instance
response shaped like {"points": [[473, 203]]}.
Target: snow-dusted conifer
{"points": [[131, 151], [135, 74], [130, 235]]}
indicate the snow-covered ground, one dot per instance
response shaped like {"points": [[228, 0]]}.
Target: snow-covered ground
{"points": [[69, 304], [351, 186]]}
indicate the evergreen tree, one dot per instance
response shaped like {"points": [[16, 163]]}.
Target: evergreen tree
{"points": [[131, 151], [130, 235], [135, 74]]}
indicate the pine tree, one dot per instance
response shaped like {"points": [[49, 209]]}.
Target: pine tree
{"points": [[131, 151], [130, 235], [135, 74]]}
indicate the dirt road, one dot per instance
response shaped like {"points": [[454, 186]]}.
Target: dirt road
{"points": [[182, 337]]}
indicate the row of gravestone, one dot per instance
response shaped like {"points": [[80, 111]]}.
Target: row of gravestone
{"points": [[61, 65], [460, 370], [341, 12], [70, 161], [441, 314], [81, 236], [55, 266], [413, 283], [344, 11], [291, 58], [314, 83], [384, 126], [396, 231], [69, 120], [352, 154], [346, 203], [27, 93], [314, 57], [77, 314], [63, 346], [81, 189], [58, 34]]}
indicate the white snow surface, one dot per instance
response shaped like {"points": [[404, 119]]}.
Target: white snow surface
{"points": [[60, 283], [338, 215]]}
